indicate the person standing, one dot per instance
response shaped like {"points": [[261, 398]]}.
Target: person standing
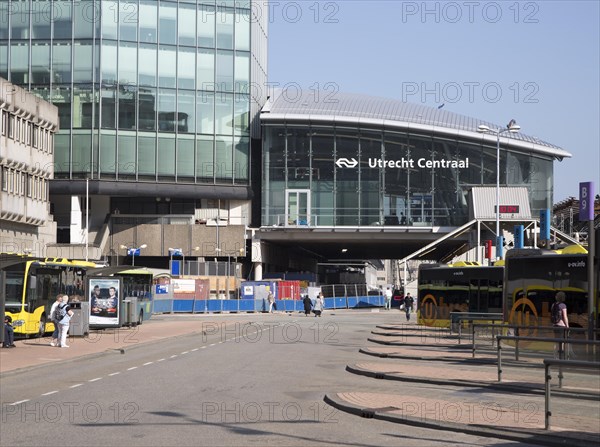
{"points": [[408, 305], [560, 319], [9, 333], [64, 321], [388, 298], [54, 340], [307, 305]]}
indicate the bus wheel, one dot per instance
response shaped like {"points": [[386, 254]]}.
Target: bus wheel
{"points": [[140, 317], [42, 330]]}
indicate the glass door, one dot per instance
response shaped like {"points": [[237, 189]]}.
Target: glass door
{"points": [[297, 207]]}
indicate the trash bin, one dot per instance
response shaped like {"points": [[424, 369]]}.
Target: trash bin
{"points": [[80, 321], [128, 311]]}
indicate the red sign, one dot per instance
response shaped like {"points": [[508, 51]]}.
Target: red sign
{"points": [[509, 209]]}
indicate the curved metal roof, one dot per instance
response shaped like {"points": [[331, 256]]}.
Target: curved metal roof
{"points": [[362, 110]]}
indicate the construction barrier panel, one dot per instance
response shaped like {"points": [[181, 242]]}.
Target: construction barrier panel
{"points": [[260, 305]]}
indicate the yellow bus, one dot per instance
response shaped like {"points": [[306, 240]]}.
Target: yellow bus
{"points": [[534, 276], [459, 287], [31, 288]]}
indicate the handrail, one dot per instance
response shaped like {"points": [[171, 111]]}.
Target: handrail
{"points": [[547, 378], [559, 341], [458, 317], [517, 327]]}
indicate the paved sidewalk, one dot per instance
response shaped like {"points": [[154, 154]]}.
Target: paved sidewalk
{"points": [[34, 352], [443, 387]]}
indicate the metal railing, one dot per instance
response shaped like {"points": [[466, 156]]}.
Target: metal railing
{"points": [[560, 342], [548, 363], [459, 317]]}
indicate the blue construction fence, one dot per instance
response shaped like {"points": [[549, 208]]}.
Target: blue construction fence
{"points": [[216, 306]]}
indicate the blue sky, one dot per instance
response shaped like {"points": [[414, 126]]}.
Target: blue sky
{"points": [[535, 62]]}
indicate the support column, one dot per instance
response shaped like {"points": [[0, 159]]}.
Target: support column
{"points": [[258, 271]]}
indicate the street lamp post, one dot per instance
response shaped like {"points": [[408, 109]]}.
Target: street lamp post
{"points": [[133, 252], [511, 127], [180, 252]]}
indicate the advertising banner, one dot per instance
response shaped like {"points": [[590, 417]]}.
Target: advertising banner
{"points": [[104, 301]]}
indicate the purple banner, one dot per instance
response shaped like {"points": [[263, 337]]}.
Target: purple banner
{"points": [[586, 201]]}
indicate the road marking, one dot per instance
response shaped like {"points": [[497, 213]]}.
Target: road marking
{"points": [[194, 350], [95, 380], [185, 352], [50, 392], [147, 363], [114, 374], [76, 385], [132, 368], [20, 402], [212, 344], [202, 347], [173, 356], [160, 360]]}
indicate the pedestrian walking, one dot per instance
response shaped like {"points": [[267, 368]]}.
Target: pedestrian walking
{"points": [[388, 299], [54, 340], [319, 305], [307, 305], [408, 305], [271, 300], [63, 317]]}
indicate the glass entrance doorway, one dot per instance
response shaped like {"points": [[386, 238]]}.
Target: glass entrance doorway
{"points": [[297, 207]]}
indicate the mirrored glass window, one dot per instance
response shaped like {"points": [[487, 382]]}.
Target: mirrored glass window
{"points": [[83, 109], [148, 21], [187, 26], [40, 63], [242, 30], [110, 19], [205, 158], [147, 108], [82, 61], [126, 159], [206, 69], [128, 20], [224, 79], [224, 158], [167, 23], [224, 113], [108, 156], [41, 13], [206, 26], [62, 20], [185, 156], [128, 63], [205, 113], [19, 63], [147, 68], [19, 20], [146, 155], [186, 110], [109, 62], [86, 17], [166, 156], [167, 66], [167, 110], [82, 151], [224, 20], [186, 68]]}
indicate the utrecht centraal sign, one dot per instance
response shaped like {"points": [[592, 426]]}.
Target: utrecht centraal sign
{"points": [[405, 163]]}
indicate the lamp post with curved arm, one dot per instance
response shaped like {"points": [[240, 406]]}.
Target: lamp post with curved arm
{"points": [[511, 127]]}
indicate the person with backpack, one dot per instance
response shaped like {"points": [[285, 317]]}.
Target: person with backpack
{"points": [[54, 340], [408, 305], [559, 318], [63, 314]]}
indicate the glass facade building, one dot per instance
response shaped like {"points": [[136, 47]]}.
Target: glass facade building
{"points": [[147, 90], [362, 161]]}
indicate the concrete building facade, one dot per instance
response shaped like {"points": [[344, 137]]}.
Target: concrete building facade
{"points": [[27, 131]]}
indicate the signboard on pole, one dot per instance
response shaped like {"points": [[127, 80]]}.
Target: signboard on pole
{"points": [[586, 201]]}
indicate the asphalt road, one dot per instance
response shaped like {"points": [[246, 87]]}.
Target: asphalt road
{"points": [[259, 383]]}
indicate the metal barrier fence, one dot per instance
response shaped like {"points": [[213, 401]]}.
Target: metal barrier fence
{"points": [[560, 342], [261, 305], [501, 327], [548, 363]]}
